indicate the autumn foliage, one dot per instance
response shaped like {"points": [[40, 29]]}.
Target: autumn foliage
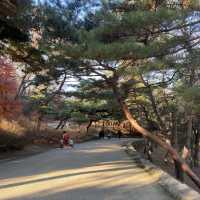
{"points": [[9, 107]]}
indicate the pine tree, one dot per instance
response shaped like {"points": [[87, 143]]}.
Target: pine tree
{"points": [[135, 33]]}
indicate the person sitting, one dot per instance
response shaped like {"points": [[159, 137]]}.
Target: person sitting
{"points": [[71, 143], [65, 138]]}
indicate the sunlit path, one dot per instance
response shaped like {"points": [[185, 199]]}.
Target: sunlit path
{"points": [[91, 171]]}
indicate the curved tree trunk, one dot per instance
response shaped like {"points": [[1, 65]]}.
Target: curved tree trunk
{"points": [[89, 125], [20, 87], [195, 149], [39, 122], [189, 131], [59, 124], [174, 136], [153, 104], [154, 138], [63, 125]]}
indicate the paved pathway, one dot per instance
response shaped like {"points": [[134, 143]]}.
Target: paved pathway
{"points": [[91, 171]]}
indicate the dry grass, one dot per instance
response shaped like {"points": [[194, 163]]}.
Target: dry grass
{"points": [[12, 135], [80, 134], [15, 134], [12, 127]]}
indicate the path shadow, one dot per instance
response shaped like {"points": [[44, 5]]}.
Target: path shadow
{"points": [[59, 160], [64, 176]]}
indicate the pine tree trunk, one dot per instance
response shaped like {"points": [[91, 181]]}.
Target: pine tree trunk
{"points": [[154, 138], [20, 87], [196, 149], [178, 171], [174, 138], [39, 122], [153, 103], [59, 124], [189, 132], [63, 124], [89, 125], [188, 143], [174, 141]]}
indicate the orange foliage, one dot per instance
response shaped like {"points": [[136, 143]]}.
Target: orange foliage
{"points": [[9, 107]]}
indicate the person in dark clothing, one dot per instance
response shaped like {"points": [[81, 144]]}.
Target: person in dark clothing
{"points": [[109, 135], [101, 134], [119, 133]]}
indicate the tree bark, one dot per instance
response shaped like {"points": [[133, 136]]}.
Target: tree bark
{"points": [[20, 87], [195, 150], [39, 122], [174, 137], [154, 138], [178, 171], [89, 125], [63, 125], [153, 103], [59, 124], [189, 142], [189, 131]]}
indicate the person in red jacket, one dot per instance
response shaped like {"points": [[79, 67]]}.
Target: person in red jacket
{"points": [[66, 138]]}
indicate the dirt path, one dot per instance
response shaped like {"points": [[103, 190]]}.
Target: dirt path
{"points": [[92, 171]]}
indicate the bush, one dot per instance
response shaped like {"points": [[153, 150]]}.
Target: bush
{"points": [[12, 136], [10, 141]]}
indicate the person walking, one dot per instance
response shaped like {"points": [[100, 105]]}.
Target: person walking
{"points": [[101, 134], [119, 133]]}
